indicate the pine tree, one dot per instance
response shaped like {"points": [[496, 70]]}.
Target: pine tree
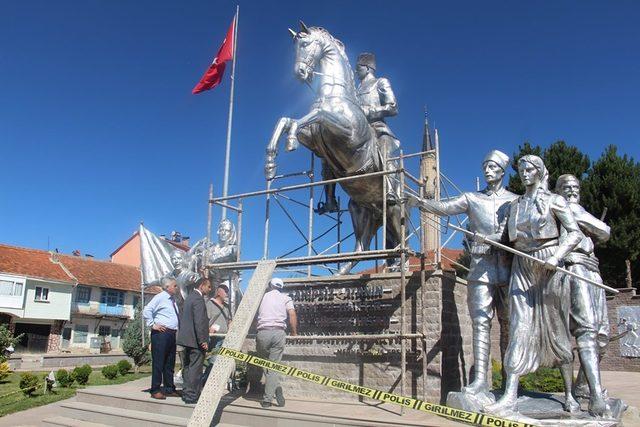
{"points": [[559, 158], [614, 183], [132, 340]]}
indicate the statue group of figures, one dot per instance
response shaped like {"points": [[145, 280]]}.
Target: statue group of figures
{"points": [[190, 266], [540, 310]]}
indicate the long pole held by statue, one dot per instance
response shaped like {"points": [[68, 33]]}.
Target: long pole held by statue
{"points": [[227, 155], [534, 259]]}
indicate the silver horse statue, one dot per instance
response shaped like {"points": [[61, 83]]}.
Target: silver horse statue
{"points": [[336, 129]]}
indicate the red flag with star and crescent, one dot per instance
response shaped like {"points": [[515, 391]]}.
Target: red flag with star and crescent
{"points": [[213, 76]]}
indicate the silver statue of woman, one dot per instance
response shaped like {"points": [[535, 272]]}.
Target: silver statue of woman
{"points": [[539, 333], [589, 320]]}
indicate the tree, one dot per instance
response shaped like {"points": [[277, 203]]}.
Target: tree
{"points": [[559, 158], [132, 340], [7, 340], [614, 183], [515, 185], [464, 260]]}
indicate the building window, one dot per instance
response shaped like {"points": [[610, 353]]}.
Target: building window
{"points": [[42, 294], [11, 288], [111, 297], [83, 294], [104, 330], [80, 333]]}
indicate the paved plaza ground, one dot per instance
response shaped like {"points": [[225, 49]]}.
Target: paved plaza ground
{"points": [[625, 385]]}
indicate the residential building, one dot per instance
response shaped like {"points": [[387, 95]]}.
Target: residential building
{"points": [[63, 302]]}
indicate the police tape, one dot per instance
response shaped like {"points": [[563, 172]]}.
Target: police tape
{"points": [[408, 402]]}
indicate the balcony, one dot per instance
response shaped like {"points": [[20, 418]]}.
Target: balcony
{"points": [[113, 310], [100, 309]]}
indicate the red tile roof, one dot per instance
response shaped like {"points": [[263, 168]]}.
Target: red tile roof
{"points": [[40, 264], [32, 263]]}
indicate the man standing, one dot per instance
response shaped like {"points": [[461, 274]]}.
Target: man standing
{"points": [[193, 336], [161, 315], [588, 314], [270, 341], [219, 320], [490, 268]]}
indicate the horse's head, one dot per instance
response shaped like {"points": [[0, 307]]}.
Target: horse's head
{"points": [[310, 45]]}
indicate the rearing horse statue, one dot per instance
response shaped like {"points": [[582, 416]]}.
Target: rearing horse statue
{"points": [[337, 130]]}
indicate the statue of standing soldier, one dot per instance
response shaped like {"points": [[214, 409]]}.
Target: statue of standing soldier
{"points": [[377, 101], [490, 267]]}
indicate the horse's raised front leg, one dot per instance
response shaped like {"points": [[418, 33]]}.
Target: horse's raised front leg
{"points": [[335, 123], [282, 126]]}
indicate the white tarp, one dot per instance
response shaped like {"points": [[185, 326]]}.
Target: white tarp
{"points": [[155, 257]]}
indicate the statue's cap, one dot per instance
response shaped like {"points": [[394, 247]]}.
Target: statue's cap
{"points": [[368, 59], [497, 157]]}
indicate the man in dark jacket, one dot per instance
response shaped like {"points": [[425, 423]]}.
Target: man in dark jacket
{"points": [[193, 335]]}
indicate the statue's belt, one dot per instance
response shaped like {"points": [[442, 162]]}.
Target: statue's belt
{"points": [[417, 404]]}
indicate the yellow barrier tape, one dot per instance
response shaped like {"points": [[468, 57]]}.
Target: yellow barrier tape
{"points": [[417, 404]]}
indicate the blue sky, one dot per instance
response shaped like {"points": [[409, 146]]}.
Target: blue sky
{"points": [[99, 130]]}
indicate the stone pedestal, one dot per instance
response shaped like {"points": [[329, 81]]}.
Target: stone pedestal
{"points": [[540, 409], [370, 304]]}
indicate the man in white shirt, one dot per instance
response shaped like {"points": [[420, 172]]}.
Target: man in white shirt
{"points": [[161, 315], [272, 322]]}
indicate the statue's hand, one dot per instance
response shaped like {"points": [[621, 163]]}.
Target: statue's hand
{"points": [[270, 168], [551, 263], [479, 238], [411, 200]]}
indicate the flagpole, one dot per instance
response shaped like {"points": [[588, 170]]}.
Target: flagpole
{"points": [[225, 185]]}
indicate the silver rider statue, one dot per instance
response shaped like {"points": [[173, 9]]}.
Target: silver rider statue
{"points": [[377, 100], [490, 267], [589, 322]]}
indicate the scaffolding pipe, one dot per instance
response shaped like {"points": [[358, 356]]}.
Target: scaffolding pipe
{"points": [[403, 289], [310, 229], [316, 259], [300, 186], [265, 247]]}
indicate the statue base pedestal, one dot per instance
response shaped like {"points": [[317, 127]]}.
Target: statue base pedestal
{"points": [[540, 409]]}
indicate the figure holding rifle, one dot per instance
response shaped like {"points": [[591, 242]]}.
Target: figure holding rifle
{"points": [[490, 267], [589, 320]]}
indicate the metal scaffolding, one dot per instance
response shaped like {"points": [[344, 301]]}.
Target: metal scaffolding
{"points": [[394, 169]]}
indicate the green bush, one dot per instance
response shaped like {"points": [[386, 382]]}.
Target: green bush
{"points": [[29, 383], [124, 367], [545, 380], [63, 378], [5, 370], [110, 371], [80, 374]]}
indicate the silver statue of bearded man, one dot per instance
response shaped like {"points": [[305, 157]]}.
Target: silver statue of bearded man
{"points": [[490, 267], [588, 314]]}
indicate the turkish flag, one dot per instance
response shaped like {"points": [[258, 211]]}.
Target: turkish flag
{"points": [[213, 76]]}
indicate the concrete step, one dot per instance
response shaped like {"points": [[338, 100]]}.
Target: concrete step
{"points": [[137, 401], [69, 422], [118, 416]]}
